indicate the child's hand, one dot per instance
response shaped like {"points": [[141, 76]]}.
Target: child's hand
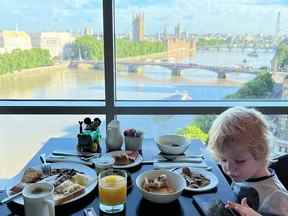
{"points": [[243, 209]]}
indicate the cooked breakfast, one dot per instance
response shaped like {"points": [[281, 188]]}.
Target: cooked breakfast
{"points": [[125, 158], [160, 184], [67, 190], [31, 175], [194, 180], [68, 183]]}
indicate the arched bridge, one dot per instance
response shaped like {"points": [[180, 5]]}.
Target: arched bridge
{"points": [[176, 68]]}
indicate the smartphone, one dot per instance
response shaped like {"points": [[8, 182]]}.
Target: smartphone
{"points": [[212, 205]]}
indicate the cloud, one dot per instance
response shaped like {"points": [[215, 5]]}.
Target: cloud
{"points": [[194, 15]]}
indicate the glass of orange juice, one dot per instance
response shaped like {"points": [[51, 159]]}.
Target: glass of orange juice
{"points": [[112, 190]]}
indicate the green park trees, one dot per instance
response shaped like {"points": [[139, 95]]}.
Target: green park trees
{"points": [[260, 87], [24, 59], [282, 55], [91, 48]]}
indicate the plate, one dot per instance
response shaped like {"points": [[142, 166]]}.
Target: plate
{"points": [[212, 178], [133, 164], [79, 167]]}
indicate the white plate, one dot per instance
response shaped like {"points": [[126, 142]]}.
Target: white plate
{"points": [[209, 175], [133, 164], [92, 182]]}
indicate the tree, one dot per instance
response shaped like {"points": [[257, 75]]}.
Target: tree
{"points": [[22, 59], [260, 87]]}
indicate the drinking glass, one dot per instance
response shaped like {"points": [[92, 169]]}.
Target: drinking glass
{"points": [[112, 190]]}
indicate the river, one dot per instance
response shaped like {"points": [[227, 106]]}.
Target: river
{"points": [[22, 135]]}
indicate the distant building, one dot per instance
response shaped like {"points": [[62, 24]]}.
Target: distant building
{"points": [[180, 49], [88, 31], [178, 31], [138, 27], [10, 40], [59, 44]]}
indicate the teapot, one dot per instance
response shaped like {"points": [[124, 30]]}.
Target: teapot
{"points": [[114, 138]]}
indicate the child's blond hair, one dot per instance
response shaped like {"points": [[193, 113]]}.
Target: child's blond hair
{"points": [[239, 123]]}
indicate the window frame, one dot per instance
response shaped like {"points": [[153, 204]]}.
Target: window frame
{"points": [[111, 107]]}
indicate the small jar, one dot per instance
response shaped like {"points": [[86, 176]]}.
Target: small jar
{"points": [[104, 162]]}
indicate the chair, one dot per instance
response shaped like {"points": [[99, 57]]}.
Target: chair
{"points": [[280, 166]]}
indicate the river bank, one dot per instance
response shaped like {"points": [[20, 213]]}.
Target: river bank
{"points": [[38, 70]]}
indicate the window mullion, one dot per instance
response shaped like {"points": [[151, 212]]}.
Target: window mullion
{"points": [[109, 58]]}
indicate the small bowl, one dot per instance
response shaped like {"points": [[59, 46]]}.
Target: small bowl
{"points": [[172, 144], [133, 143], [175, 180]]}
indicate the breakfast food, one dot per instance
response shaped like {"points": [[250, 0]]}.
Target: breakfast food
{"points": [[67, 190], [132, 132], [160, 184], [125, 158], [31, 175], [194, 180], [68, 183], [121, 159]]}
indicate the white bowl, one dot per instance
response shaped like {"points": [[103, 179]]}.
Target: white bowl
{"points": [[172, 144], [175, 180]]}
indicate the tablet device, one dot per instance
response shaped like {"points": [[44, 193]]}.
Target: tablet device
{"points": [[212, 205]]}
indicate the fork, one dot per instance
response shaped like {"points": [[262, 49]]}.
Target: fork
{"points": [[46, 168]]}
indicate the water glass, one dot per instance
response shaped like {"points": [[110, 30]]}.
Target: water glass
{"points": [[112, 190]]}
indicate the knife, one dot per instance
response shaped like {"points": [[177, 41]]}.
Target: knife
{"points": [[9, 198], [53, 159], [70, 153], [174, 165], [183, 160]]}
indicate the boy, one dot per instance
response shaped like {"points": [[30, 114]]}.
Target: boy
{"points": [[239, 139]]}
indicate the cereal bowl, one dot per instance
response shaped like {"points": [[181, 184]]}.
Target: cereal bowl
{"points": [[172, 144], [175, 181]]}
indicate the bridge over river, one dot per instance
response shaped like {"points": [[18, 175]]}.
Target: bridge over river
{"points": [[175, 68]]}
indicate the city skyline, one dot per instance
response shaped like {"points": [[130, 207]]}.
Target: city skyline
{"points": [[208, 16]]}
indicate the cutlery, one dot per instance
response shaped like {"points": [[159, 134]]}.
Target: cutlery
{"points": [[90, 212], [46, 168], [183, 160], [86, 156], [54, 158], [9, 198], [172, 157], [180, 165], [14, 196]]}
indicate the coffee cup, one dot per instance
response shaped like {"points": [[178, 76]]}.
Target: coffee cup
{"points": [[38, 199]]}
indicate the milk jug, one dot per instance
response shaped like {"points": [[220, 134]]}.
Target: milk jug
{"points": [[114, 138]]}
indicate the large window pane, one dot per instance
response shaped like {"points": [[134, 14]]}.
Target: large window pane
{"points": [[201, 50], [24, 135], [50, 49], [197, 127]]}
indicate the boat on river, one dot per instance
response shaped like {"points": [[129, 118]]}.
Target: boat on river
{"points": [[253, 54]]}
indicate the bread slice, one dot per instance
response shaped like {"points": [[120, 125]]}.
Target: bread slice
{"points": [[66, 191]]}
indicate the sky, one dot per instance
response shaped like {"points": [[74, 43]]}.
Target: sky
{"points": [[194, 16]]}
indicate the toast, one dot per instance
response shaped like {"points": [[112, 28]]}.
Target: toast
{"points": [[67, 190]]}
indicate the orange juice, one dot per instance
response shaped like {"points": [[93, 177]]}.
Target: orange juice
{"points": [[112, 190]]}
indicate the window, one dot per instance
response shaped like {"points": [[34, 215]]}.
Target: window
{"points": [[170, 91], [23, 135], [207, 50], [47, 55]]}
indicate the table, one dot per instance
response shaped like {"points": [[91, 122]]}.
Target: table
{"points": [[135, 205]]}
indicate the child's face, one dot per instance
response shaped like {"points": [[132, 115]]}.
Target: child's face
{"points": [[238, 163]]}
